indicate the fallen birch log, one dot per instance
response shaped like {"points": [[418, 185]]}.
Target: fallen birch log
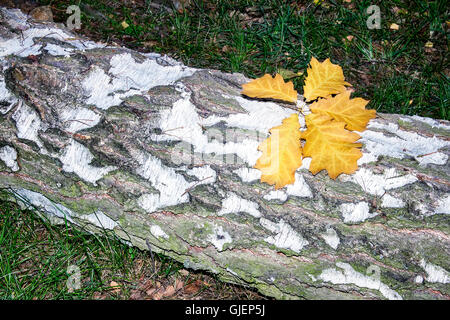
{"points": [[157, 152]]}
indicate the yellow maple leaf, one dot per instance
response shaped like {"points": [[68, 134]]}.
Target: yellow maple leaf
{"points": [[268, 87], [323, 80], [330, 146], [342, 108], [282, 153]]}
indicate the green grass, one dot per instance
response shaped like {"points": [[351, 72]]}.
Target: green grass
{"points": [[392, 68], [36, 258]]}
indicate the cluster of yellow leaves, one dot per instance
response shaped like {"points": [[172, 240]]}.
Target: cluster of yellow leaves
{"points": [[329, 139]]}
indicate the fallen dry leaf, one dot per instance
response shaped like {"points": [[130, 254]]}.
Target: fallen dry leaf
{"points": [[157, 296], [150, 291], [394, 26], [114, 286], [281, 153], [193, 287], [178, 284], [136, 295], [226, 48], [150, 43], [268, 87], [169, 291], [330, 146], [184, 272], [342, 108], [324, 78], [43, 13]]}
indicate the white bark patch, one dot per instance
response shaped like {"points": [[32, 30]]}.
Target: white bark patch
{"points": [[260, 116], [432, 122], [299, 188], [171, 185], [232, 272], [400, 145], [306, 162], [443, 205], [76, 158], [39, 201], [182, 123], [15, 18], [23, 44], [204, 174], [331, 238], [248, 174], [44, 204], [28, 124], [78, 119], [102, 91], [392, 202], [7, 99], [438, 158], [9, 156], [418, 279], [129, 78], [435, 273], [278, 195], [56, 50], [100, 220], [157, 232], [136, 75], [349, 276], [359, 212], [235, 204], [286, 237], [377, 184], [219, 238]]}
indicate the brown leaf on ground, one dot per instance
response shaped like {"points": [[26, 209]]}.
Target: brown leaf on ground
{"points": [[150, 43], [169, 291], [43, 13], [150, 291], [157, 296], [136, 294], [178, 284], [184, 272], [146, 285], [115, 287], [193, 287], [394, 26]]}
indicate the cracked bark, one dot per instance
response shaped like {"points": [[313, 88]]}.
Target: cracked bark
{"points": [[394, 233]]}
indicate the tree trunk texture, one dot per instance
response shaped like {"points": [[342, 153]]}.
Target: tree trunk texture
{"points": [[160, 153]]}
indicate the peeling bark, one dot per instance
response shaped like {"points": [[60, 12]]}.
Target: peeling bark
{"points": [[159, 152]]}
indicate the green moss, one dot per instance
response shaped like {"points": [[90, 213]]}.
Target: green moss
{"points": [[405, 124], [71, 190]]}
